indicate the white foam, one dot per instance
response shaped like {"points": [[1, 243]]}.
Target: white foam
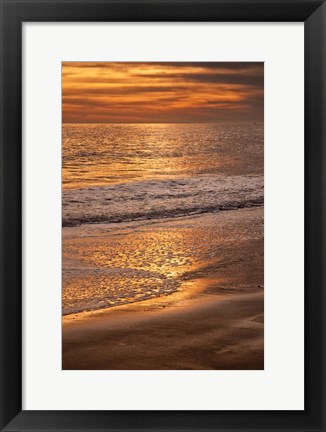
{"points": [[151, 199]]}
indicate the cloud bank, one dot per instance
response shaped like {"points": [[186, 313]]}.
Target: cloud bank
{"points": [[162, 92]]}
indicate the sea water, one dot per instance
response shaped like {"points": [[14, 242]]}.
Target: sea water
{"points": [[124, 176]]}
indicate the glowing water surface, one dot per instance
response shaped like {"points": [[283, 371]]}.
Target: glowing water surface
{"points": [[165, 185]]}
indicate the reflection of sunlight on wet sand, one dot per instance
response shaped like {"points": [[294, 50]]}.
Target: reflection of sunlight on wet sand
{"points": [[128, 268], [159, 263]]}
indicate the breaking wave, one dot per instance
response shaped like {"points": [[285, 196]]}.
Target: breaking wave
{"points": [[160, 199]]}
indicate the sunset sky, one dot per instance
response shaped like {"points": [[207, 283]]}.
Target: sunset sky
{"points": [[162, 92]]}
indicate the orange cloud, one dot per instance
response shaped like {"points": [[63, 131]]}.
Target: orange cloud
{"points": [[162, 92]]}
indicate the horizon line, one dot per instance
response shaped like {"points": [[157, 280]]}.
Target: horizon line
{"points": [[203, 122]]}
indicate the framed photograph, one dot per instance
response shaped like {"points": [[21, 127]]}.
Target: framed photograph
{"points": [[162, 215]]}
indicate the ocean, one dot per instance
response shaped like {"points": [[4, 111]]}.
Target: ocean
{"points": [[142, 206]]}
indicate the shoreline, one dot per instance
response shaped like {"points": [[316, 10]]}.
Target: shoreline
{"points": [[185, 255], [214, 321]]}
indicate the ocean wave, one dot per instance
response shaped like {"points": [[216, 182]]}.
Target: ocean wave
{"points": [[160, 199]]}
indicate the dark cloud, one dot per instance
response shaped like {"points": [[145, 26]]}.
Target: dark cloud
{"points": [[231, 66], [210, 65], [252, 80]]}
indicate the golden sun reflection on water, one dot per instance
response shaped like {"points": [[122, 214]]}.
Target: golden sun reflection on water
{"points": [[106, 154]]}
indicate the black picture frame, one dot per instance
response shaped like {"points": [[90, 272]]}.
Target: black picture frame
{"points": [[13, 14]]}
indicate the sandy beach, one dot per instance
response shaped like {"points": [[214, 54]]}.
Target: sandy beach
{"points": [[220, 334], [213, 320]]}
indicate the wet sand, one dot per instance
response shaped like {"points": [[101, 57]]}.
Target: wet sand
{"points": [[208, 334], [215, 320]]}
